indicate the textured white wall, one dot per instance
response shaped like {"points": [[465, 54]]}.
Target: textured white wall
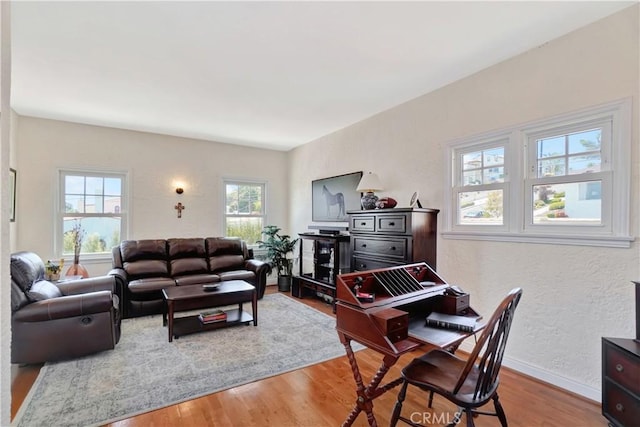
{"points": [[572, 295], [153, 163]]}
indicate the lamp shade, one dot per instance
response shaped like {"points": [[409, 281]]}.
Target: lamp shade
{"points": [[369, 183]]}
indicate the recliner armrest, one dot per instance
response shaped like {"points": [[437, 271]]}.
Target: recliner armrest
{"points": [[92, 284], [119, 272], [65, 307]]}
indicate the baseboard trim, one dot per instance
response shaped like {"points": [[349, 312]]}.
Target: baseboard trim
{"points": [[554, 379], [547, 377]]}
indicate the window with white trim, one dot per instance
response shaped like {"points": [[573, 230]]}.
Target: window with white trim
{"points": [[96, 203], [244, 214], [480, 186], [562, 180]]}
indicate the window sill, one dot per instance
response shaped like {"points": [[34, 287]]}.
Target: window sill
{"points": [[600, 241], [88, 259]]}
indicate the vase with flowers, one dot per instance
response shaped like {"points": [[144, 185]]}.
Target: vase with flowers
{"points": [[76, 235]]}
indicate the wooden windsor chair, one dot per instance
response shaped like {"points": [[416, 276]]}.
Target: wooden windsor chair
{"points": [[470, 383]]}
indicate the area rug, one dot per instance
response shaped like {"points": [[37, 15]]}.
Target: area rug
{"points": [[146, 372]]}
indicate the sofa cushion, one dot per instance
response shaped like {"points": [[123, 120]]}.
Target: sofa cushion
{"points": [[146, 268], [26, 268], [144, 258], [42, 290], [186, 248], [217, 246], [196, 279], [18, 297], [188, 266], [141, 286], [225, 263], [134, 250], [188, 256]]}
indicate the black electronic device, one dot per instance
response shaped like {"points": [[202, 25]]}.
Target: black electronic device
{"points": [[332, 230]]}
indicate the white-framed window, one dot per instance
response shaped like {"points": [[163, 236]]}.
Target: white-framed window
{"points": [[244, 209], [480, 185], [96, 203], [561, 180]]}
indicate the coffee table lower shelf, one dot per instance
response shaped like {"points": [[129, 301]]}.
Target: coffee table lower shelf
{"points": [[192, 324]]}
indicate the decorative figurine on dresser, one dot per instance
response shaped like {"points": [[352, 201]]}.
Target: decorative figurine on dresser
{"points": [[621, 376], [382, 238]]}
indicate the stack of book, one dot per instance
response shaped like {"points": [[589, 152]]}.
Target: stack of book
{"points": [[212, 316]]}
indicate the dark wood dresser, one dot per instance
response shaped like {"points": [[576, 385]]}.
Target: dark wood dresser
{"points": [[383, 238], [621, 381], [621, 376]]}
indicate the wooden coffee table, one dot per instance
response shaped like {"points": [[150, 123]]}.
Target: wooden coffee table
{"points": [[193, 297]]}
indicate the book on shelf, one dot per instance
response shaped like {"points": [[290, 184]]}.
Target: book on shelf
{"points": [[452, 321], [212, 316]]}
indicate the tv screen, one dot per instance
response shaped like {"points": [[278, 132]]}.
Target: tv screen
{"points": [[333, 197]]}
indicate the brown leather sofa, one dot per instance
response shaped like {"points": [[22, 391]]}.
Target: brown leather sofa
{"points": [[145, 267], [56, 321]]}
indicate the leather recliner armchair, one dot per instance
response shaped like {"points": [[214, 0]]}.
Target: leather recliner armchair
{"points": [[59, 321]]}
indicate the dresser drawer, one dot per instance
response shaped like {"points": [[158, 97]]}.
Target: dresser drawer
{"points": [[363, 223], [395, 248], [392, 223], [620, 406], [621, 368], [362, 264]]}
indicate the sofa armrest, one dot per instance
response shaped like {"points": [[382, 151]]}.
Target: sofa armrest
{"points": [[92, 284], [65, 307], [261, 269], [257, 266]]}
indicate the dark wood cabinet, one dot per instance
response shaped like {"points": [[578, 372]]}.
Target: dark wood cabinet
{"points": [[621, 381], [321, 258], [384, 238]]}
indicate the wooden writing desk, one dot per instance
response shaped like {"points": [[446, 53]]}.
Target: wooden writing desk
{"points": [[393, 324]]}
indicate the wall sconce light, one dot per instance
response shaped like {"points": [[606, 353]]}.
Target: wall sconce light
{"points": [[179, 190]]}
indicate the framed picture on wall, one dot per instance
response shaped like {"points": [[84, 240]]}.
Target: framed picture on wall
{"points": [[12, 195], [333, 197]]}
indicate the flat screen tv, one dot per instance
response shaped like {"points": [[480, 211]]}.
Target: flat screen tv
{"points": [[333, 197]]}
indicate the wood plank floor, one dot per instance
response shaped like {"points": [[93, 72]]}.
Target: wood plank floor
{"points": [[324, 394]]}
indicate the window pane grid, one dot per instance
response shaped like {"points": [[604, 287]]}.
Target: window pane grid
{"points": [[569, 154], [244, 210], [483, 166], [93, 202]]}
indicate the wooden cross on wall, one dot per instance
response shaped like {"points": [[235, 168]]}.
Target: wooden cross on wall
{"points": [[179, 207]]}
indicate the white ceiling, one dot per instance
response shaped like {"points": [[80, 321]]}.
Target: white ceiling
{"points": [[263, 74]]}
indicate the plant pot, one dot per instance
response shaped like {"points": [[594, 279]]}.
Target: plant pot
{"points": [[51, 276], [284, 283]]}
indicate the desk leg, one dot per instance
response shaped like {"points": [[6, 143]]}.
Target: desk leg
{"points": [[366, 395]]}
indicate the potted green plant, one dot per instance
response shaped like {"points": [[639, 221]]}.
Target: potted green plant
{"points": [[280, 254]]}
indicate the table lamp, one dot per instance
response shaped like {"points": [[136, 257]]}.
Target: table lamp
{"points": [[367, 185]]}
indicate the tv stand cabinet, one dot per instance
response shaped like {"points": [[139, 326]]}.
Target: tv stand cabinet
{"points": [[331, 256]]}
